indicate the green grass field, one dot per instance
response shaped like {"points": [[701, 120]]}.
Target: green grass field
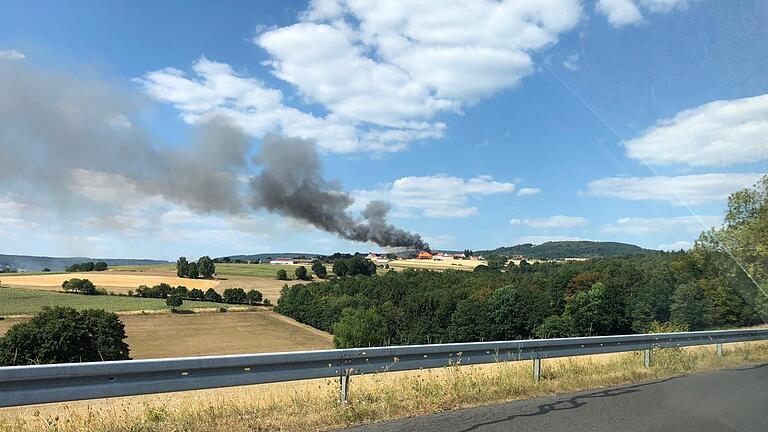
{"points": [[15, 301]]}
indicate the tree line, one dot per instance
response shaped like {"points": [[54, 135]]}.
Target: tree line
{"points": [[229, 295], [86, 267], [720, 283]]}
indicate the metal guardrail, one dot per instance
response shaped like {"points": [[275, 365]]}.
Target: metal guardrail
{"points": [[26, 385]]}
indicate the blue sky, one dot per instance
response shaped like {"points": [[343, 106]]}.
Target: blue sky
{"points": [[483, 123]]}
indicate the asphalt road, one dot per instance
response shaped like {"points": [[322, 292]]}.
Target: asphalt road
{"points": [[729, 400]]}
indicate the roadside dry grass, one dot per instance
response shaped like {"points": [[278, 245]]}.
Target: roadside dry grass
{"points": [[313, 405]]}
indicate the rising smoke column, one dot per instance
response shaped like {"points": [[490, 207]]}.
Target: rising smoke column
{"points": [[291, 184]]}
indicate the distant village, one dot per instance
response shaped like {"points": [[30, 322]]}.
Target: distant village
{"points": [[382, 260]]}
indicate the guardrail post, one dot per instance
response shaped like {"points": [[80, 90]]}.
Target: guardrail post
{"points": [[719, 350], [344, 381], [537, 369], [647, 358]]}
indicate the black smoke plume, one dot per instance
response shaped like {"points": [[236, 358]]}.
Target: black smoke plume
{"points": [[291, 184]]}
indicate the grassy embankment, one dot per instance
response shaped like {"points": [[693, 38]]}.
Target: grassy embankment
{"points": [[313, 405]]}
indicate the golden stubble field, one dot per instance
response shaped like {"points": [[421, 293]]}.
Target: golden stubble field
{"points": [[122, 282], [213, 333], [467, 265]]}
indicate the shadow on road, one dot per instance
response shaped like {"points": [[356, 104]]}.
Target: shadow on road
{"points": [[581, 400], [573, 402]]}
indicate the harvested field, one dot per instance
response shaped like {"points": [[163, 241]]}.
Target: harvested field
{"points": [[115, 282], [182, 335], [467, 265]]}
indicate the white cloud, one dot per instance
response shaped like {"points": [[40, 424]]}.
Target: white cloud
{"points": [[437, 196], [218, 90], [719, 133], [676, 246], [557, 221], [381, 70], [528, 191], [619, 12], [11, 55], [642, 226], [572, 62], [624, 12], [539, 239], [421, 57], [676, 190]]}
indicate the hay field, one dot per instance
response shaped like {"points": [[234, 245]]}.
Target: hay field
{"points": [[313, 405], [213, 333], [115, 282], [467, 265]]}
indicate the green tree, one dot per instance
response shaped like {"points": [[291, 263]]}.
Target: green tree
{"points": [[556, 326], [46, 270], [212, 295], [100, 266], [64, 335], [340, 268], [253, 297], [174, 301], [319, 269], [282, 274], [192, 271], [516, 311], [81, 286], [496, 262], [181, 267], [206, 267], [590, 312], [360, 328], [691, 307], [301, 273], [357, 265], [234, 295]]}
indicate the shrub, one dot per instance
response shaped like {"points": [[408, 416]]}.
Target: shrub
{"points": [[80, 286], [196, 294], [301, 273], [212, 295], [340, 268], [46, 270], [282, 275], [253, 297], [174, 301], [234, 295], [222, 309], [64, 335], [319, 269]]}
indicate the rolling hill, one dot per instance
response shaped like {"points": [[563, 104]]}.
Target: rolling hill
{"points": [[569, 249], [37, 263]]}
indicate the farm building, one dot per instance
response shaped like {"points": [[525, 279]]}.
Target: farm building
{"points": [[440, 256], [277, 261]]}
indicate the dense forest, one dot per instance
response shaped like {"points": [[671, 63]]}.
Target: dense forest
{"points": [[719, 283], [569, 249]]}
